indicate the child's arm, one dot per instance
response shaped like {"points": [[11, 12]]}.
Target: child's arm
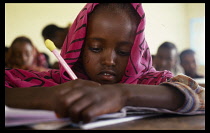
{"points": [[41, 97], [155, 96], [194, 93], [83, 100], [86, 100], [29, 98], [191, 96], [85, 103]]}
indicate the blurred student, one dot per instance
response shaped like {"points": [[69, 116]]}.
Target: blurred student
{"points": [[47, 58], [23, 55], [167, 58], [188, 62], [57, 35]]}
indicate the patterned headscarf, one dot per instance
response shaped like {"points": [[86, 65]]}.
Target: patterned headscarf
{"points": [[139, 69]]}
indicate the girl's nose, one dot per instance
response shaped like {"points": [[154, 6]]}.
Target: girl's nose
{"points": [[109, 58]]}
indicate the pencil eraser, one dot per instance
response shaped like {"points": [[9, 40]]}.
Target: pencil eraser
{"points": [[50, 45]]}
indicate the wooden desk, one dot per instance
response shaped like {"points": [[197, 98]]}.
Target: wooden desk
{"points": [[163, 122]]}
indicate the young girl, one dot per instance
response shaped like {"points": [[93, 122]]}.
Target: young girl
{"points": [[23, 55], [107, 50]]}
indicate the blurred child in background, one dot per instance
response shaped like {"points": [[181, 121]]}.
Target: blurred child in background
{"points": [[188, 62], [57, 35], [167, 58], [23, 55]]}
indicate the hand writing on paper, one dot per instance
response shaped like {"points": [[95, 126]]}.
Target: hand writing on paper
{"points": [[83, 100]]}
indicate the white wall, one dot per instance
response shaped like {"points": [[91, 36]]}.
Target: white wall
{"points": [[166, 22]]}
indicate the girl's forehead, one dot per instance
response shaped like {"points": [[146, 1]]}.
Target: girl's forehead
{"points": [[113, 23], [21, 46]]}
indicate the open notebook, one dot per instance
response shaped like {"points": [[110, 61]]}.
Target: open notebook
{"points": [[47, 120]]}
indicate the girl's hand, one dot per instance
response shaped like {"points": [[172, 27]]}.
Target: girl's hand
{"points": [[83, 100]]}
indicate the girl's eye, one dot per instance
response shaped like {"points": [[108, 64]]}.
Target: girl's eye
{"points": [[123, 53], [96, 50]]}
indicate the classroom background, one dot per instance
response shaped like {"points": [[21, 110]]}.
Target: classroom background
{"points": [[180, 23]]}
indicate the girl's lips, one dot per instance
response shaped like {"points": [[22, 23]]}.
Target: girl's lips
{"points": [[107, 75]]}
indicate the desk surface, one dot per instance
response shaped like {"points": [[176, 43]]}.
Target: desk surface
{"points": [[163, 122]]}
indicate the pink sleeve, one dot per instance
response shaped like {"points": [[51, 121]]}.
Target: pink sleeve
{"points": [[155, 77], [28, 78], [194, 94]]}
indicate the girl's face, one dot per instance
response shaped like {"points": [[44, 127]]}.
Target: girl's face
{"points": [[108, 46], [23, 54]]}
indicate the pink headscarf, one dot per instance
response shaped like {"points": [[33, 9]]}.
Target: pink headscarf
{"points": [[139, 69]]}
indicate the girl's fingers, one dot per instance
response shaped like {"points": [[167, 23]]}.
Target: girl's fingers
{"points": [[64, 102], [69, 92], [78, 106], [91, 112], [94, 104]]}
